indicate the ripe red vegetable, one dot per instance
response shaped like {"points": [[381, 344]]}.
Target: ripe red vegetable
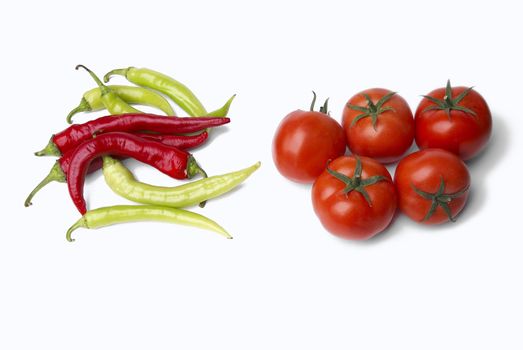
{"points": [[74, 135], [305, 141], [456, 119], [433, 185], [171, 161], [378, 123], [354, 197], [61, 167]]}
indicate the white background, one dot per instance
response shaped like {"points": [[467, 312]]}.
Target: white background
{"points": [[283, 282]]}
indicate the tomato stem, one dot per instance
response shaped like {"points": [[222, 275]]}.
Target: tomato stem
{"points": [[447, 103], [104, 90], [323, 109], [313, 101], [372, 110], [439, 199], [356, 183]]}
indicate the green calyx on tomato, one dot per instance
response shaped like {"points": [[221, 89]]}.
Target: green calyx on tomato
{"points": [[447, 103], [373, 110], [439, 199], [323, 109], [355, 183]]}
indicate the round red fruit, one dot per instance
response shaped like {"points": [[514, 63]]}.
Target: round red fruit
{"points": [[456, 119], [305, 141], [432, 185], [354, 197], [378, 123]]}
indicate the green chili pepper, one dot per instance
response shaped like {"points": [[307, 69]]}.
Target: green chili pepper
{"points": [[177, 91], [112, 102], [124, 213], [106, 216], [222, 111], [92, 99], [122, 182]]}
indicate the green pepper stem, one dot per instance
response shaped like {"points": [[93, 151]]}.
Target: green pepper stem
{"points": [[204, 175], [192, 169], [49, 150], [80, 223], [104, 89], [56, 174], [202, 172], [120, 71], [82, 107]]}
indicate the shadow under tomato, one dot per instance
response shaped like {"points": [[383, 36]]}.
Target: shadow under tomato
{"points": [[389, 233], [479, 168]]}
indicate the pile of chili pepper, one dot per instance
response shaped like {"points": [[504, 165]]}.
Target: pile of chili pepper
{"points": [[160, 141]]}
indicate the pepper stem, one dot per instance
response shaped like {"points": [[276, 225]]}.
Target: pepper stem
{"points": [[82, 107], [120, 71], [56, 174], [192, 169], [49, 150], [104, 89], [80, 223]]}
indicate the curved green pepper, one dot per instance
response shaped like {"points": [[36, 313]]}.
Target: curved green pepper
{"points": [[177, 91], [92, 100], [111, 101], [123, 183], [106, 216]]}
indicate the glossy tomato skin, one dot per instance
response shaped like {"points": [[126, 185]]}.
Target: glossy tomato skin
{"points": [[303, 144], [424, 170], [394, 132], [462, 133], [349, 215]]}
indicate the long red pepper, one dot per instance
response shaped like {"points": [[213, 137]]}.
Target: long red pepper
{"points": [[183, 142], [61, 168], [171, 161], [75, 134]]}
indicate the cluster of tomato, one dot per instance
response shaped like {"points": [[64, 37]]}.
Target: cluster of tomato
{"points": [[355, 196]]}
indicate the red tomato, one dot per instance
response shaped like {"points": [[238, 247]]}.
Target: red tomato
{"points": [[378, 123], [433, 185], [354, 198], [455, 119], [304, 142]]}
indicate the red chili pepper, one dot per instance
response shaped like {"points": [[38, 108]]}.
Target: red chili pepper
{"points": [[60, 169], [183, 142], [171, 161], [75, 134]]}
